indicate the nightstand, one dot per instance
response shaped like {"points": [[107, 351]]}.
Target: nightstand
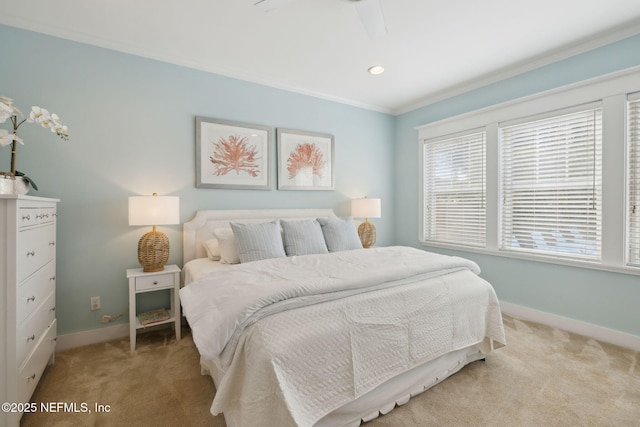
{"points": [[141, 282]]}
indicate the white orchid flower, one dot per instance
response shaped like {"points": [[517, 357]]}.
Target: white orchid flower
{"points": [[60, 130], [39, 115], [7, 109], [7, 138]]}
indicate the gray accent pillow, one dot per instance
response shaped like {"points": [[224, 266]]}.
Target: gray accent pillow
{"points": [[258, 241], [340, 234], [303, 237]]}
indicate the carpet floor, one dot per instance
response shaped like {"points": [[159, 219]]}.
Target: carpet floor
{"points": [[543, 377]]}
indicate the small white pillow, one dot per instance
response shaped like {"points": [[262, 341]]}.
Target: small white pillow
{"points": [[212, 248], [228, 248], [258, 241], [340, 234], [303, 237]]}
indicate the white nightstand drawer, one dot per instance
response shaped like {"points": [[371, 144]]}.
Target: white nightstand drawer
{"points": [[157, 281]]}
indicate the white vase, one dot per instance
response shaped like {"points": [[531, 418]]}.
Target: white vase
{"points": [[21, 186], [13, 185]]}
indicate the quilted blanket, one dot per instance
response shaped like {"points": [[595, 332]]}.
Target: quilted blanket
{"points": [[299, 337]]}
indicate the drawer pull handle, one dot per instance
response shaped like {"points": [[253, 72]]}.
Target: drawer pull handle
{"points": [[45, 216], [32, 253], [155, 282], [52, 278], [39, 216], [52, 243], [31, 338], [31, 377], [54, 214], [27, 217], [31, 298], [52, 309]]}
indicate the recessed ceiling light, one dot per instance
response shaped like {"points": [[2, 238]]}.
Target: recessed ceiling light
{"points": [[376, 69]]}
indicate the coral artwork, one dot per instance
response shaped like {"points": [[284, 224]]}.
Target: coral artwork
{"points": [[306, 157], [235, 154]]}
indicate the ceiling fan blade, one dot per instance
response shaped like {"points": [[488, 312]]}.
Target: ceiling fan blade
{"points": [[370, 12], [267, 5]]}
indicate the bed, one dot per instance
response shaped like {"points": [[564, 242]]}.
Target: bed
{"points": [[325, 336]]}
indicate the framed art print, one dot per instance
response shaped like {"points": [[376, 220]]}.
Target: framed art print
{"points": [[305, 160], [232, 155]]}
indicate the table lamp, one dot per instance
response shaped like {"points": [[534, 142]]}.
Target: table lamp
{"points": [[366, 208], [153, 247]]}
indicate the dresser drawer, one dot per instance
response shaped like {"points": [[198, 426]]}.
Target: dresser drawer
{"points": [[157, 281], [31, 330], [34, 290], [34, 215], [36, 247], [30, 373], [28, 216], [46, 215]]}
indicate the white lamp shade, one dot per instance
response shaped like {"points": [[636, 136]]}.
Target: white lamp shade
{"points": [[366, 208], [154, 210]]}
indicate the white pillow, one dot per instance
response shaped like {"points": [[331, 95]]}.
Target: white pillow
{"points": [[212, 248], [340, 234], [227, 244], [258, 241], [302, 237]]}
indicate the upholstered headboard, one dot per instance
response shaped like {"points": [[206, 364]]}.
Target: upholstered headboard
{"points": [[200, 228]]}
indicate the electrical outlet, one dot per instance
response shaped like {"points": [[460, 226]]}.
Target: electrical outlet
{"points": [[95, 303], [106, 318]]}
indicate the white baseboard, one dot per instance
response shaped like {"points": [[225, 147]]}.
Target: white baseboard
{"points": [[599, 333], [92, 336]]}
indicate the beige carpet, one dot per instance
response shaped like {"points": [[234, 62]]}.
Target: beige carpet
{"points": [[544, 377]]}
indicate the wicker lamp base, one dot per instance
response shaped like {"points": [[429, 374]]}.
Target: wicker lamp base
{"points": [[367, 233], [153, 251]]}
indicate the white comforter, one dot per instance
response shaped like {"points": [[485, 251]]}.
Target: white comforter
{"points": [[368, 316]]}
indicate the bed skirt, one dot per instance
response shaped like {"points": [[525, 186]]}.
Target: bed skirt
{"points": [[395, 392]]}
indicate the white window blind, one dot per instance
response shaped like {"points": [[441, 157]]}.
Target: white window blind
{"points": [[633, 185], [551, 185], [454, 190]]}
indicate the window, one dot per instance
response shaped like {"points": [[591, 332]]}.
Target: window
{"points": [[633, 182], [551, 185], [560, 177], [454, 189]]}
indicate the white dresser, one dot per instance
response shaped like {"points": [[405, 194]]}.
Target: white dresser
{"points": [[27, 298]]}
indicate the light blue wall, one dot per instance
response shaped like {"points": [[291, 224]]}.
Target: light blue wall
{"points": [[602, 298], [132, 132], [132, 127]]}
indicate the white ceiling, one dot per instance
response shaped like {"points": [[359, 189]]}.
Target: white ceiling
{"points": [[432, 49]]}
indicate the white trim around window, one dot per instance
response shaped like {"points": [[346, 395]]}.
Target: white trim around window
{"points": [[610, 93], [633, 180]]}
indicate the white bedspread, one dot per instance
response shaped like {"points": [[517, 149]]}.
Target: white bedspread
{"points": [[196, 268], [312, 352]]}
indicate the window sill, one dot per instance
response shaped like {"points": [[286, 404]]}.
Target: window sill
{"points": [[537, 258]]}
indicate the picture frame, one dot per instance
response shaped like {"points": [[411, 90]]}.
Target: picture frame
{"points": [[232, 155], [305, 160]]}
